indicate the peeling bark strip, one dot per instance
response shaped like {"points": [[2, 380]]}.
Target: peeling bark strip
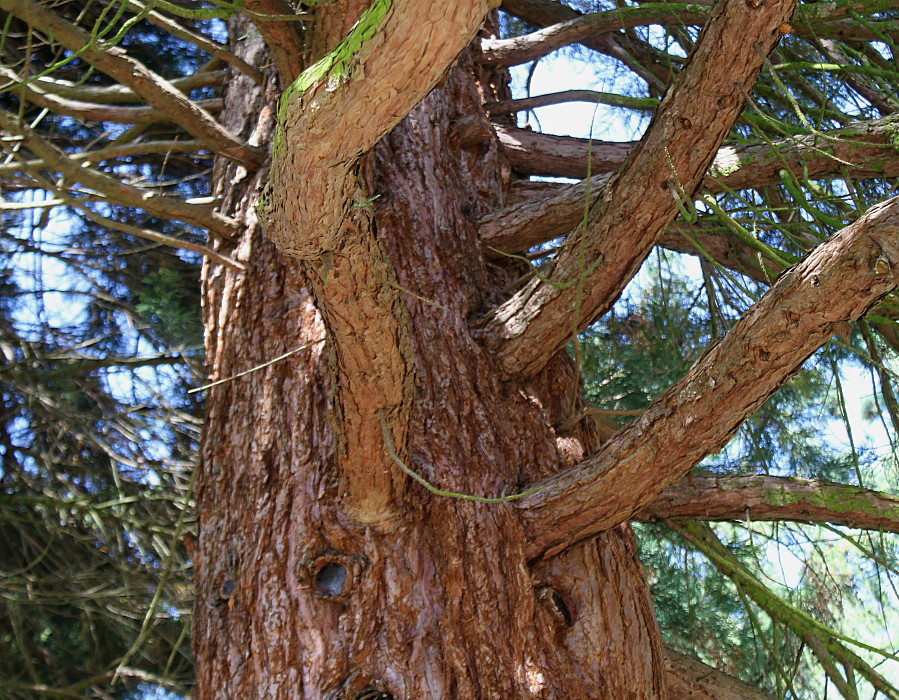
{"points": [[155, 90], [325, 223], [696, 417], [762, 497], [640, 202]]}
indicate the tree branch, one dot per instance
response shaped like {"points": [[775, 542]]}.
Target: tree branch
{"points": [[543, 13], [85, 111], [213, 48], [763, 497], [284, 39], [526, 104], [521, 49], [316, 212], [696, 417], [643, 198], [118, 192], [690, 679], [576, 27], [864, 149], [119, 94], [117, 151], [154, 89], [533, 153], [823, 641]]}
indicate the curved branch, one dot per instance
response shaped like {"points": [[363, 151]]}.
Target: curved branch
{"points": [[763, 497], [643, 198], [521, 49], [696, 417], [157, 91], [543, 13]]}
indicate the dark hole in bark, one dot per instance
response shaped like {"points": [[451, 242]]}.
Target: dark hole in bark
{"points": [[331, 579], [373, 694], [227, 589], [562, 608], [557, 604]]}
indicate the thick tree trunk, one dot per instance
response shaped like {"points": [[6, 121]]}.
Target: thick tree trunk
{"points": [[296, 595]]}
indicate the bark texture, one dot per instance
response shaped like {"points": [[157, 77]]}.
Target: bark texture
{"points": [[323, 570], [297, 595]]}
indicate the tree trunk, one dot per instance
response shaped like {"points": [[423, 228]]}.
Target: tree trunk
{"points": [[302, 593]]}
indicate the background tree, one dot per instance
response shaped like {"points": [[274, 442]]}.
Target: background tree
{"points": [[432, 502]]}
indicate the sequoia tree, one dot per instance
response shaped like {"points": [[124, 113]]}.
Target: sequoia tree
{"points": [[402, 491]]}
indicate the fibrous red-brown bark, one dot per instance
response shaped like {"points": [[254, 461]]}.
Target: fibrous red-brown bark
{"points": [[323, 570], [439, 600]]}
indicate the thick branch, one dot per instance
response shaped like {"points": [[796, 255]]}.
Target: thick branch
{"points": [[577, 27], [689, 679], [390, 60], [866, 147], [157, 91], [639, 203], [696, 417], [762, 497], [284, 39], [118, 192], [534, 153]]}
